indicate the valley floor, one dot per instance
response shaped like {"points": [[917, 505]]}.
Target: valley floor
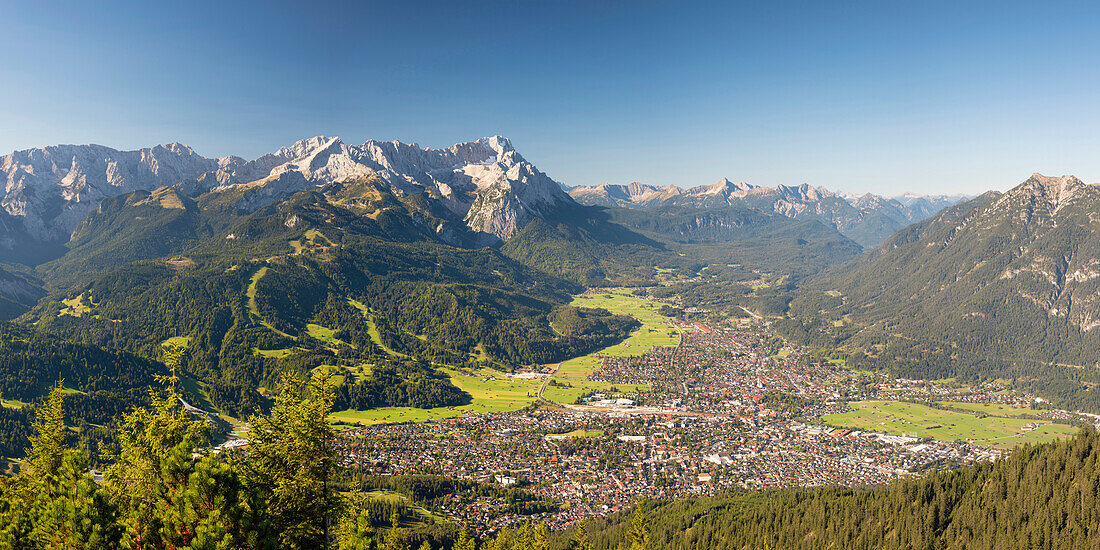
{"points": [[691, 408]]}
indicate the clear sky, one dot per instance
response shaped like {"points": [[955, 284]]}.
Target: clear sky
{"points": [[880, 96]]}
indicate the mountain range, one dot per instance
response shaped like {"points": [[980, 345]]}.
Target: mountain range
{"points": [[464, 253], [472, 194], [867, 219], [1028, 257], [485, 184], [324, 253]]}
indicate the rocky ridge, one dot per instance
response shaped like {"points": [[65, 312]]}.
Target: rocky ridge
{"points": [[486, 182], [867, 219]]}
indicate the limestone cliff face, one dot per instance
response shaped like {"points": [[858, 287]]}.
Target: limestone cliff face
{"points": [[486, 182]]}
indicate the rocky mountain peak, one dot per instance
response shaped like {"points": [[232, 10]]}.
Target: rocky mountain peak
{"points": [[1052, 186], [305, 147], [499, 144], [803, 192], [1046, 193], [722, 188]]}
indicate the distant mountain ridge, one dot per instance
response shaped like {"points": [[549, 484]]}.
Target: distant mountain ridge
{"points": [[867, 219], [485, 183]]}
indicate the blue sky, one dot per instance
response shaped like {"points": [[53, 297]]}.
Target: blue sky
{"points": [[880, 96]]}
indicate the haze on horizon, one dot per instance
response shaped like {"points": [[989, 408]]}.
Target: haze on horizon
{"points": [[928, 98]]}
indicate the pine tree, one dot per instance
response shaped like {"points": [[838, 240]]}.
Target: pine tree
{"points": [[48, 442], [541, 538], [72, 512], [54, 503], [291, 460], [168, 496], [580, 537], [639, 530], [465, 541], [524, 538], [395, 537], [355, 531]]}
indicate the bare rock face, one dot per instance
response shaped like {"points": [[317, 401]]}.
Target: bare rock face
{"points": [[486, 182], [53, 188]]}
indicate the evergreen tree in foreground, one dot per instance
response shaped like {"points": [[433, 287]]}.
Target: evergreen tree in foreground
{"points": [[168, 494], [291, 461], [54, 502]]}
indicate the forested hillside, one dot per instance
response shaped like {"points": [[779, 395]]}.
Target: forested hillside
{"points": [[1003, 286], [344, 276], [1042, 497], [1014, 276], [751, 238], [99, 384]]}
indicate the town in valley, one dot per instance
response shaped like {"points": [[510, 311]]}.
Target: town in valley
{"points": [[725, 406]]}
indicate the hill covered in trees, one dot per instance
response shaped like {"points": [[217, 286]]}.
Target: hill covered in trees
{"points": [[1004, 286], [1016, 274], [1043, 496], [345, 276]]}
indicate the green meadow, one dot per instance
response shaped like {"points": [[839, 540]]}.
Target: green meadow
{"points": [[13, 403], [254, 308], [181, 341], [901, 418], [75, 307], [656, 330], [324, 334], [492, 391], [372, 329], [995, 409]]}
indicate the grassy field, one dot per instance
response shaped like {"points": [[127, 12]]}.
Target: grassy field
{"points": [[899, 418], [372, 329], [425, 516], [1005, 411], [181, 341], [274, 353], [254, 308], [490, 390], [251, 292], [386, 415], [311, 238], [324, 334], [75, 307], [656, 330]]}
